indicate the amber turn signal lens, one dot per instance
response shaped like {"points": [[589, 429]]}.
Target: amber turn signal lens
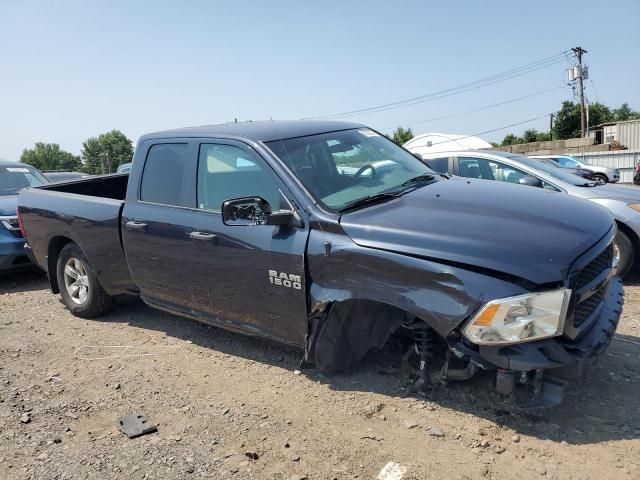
{"points": [[485, 318]]}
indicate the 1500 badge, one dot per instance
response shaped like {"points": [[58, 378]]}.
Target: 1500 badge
{"points": [[285, 279]]}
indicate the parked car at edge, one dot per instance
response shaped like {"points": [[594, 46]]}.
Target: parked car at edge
{"points": [[580, 172], [603, 174], [254, 227], [124, 168], [636, 176], [622, 201], [57, 177], [13, 178]]}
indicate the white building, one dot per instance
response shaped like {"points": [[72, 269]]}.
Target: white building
{"points": [[442, 142]]}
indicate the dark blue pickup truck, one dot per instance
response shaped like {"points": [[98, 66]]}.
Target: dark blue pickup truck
{"points": [[330, 237]]}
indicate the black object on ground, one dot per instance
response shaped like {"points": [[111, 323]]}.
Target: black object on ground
{"points": [[135, 425]]}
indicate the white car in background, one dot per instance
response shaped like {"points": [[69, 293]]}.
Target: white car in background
{"points": [[622, 201], [603, 174]]}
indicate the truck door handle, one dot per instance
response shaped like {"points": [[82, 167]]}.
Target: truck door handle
{"points": [[204, 236], [138, 226]]}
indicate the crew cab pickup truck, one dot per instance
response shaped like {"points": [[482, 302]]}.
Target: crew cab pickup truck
{"points": [[330, 237]]}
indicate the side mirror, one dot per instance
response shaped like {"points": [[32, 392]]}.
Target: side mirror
{"points": [[254, 211], [530, 181], [418, 156]]}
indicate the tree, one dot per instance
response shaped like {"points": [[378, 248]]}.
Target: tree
{"points": [[625, 113], [106, 152], [49, 156], [567, 120], [402, 136], [511, 139], [530, 135]]}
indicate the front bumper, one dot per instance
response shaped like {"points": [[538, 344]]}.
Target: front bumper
{"points": [[12, 252], [540, 369], [564, 358]]}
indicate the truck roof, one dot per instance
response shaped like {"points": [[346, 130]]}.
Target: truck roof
{"points": [[264, 131]]}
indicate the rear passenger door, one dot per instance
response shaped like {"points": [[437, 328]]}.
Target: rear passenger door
{"points": [[156, 220]]}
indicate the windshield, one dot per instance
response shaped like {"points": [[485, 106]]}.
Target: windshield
{"points": [[341, 168], [552, 170], [13, 179]]}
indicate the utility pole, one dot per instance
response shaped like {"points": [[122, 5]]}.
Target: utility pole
{"points": [[579, 51], [551, 126]]}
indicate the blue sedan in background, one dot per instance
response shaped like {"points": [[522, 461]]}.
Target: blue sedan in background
{"points": [[13, 178]]}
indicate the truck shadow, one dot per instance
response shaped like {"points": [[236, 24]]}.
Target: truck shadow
{"points": [[28, 280], [601, 406]]}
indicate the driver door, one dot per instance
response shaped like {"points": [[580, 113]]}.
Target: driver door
{"points": [[233, 268]]}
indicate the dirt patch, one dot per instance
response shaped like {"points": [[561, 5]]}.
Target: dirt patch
{"points": [[230, 406]]}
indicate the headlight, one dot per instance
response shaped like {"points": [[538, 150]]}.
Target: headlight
{"points": [[635, 206], [523, 318], [10, 223]]}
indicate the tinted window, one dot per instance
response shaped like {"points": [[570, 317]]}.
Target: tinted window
{"points": [[566, 162], [226, 172], [489, 170], [440, 165], [15, 178], [163, 178]]}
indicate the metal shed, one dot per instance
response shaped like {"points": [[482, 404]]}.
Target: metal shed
{"points": [[627, 133]]}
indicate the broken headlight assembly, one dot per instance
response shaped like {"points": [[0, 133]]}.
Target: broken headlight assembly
{"points": [[518, 319]]}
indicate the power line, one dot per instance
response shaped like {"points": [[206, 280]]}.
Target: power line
{"points": [[495, 129], [500, 77], [486, 107]]}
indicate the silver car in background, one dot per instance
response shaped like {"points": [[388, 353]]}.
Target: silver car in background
{"points": [[621, 200], [603, 174]]}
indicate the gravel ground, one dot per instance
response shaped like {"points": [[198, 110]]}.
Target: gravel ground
{"points": [[229, 406]]}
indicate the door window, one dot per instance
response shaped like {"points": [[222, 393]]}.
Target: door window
{"points": [[567, 162], [164, 177], [226, 172], [489, 170], [440, 165]]}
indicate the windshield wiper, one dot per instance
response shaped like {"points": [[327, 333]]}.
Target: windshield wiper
{"points": [[370, 200], [425, 177]]}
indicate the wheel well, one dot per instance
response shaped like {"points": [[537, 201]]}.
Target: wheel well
{"points": [[349, 329], [624, 228], [55, 246]]}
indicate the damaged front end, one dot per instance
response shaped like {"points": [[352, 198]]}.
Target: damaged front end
{"points": [[532, 340]]}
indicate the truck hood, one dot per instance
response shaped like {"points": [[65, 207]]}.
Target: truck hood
{"points": [[8, 205], [530, 233]]}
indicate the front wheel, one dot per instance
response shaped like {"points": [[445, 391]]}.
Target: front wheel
{"points": [[600, 178], [624, 253], [79, 287]]}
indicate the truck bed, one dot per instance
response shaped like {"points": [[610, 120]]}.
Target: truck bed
{"points": [[107, 186], [86, 212]]}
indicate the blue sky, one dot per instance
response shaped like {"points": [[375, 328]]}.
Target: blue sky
{"points": [[74, 69]]}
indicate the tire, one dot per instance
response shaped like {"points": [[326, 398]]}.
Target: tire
{"points": [[623, 249], [600, 177], [84, 300]]}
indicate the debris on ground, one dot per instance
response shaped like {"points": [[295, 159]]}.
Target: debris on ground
{"points": [[135, 425], [392, 471]]}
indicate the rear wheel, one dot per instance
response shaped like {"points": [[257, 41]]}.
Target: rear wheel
{"points": [[79, 287], [624, 253], [600, 178]]}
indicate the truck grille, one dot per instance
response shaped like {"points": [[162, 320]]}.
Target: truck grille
{"points": [[595, 268], [584, 310]]}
